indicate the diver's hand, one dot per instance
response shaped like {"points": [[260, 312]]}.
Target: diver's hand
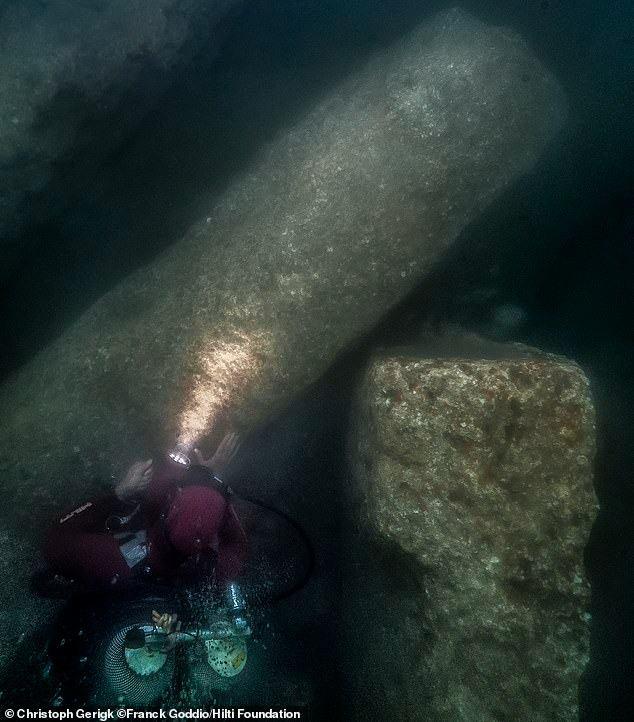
{"points": [[225, 453], [168, 623], [136, 481]]}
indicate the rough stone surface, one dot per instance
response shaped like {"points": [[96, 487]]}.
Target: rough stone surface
{"points": [[474, 481], [74, 78], [339, 218]]}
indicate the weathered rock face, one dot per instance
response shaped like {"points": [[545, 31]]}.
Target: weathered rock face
{"points": [[474, 480], [74, 78], [340, 217]]}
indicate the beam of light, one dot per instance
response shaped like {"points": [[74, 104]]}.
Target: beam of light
{"points": [[226, 372]]}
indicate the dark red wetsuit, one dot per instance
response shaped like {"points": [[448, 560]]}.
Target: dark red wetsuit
{"points": [[89, 544]]}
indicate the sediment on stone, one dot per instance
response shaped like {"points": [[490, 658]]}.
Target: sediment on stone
{"points": [[476, 475]]}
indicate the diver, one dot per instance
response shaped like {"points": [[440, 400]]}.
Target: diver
{"points": [[161, 522]]}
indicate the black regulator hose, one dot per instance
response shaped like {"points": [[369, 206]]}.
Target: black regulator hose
{"points": [[301, 583]]}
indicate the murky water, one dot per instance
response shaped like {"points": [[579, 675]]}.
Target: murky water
{"points": [[550, 263]]}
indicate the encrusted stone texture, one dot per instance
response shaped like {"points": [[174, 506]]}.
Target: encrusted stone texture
{"points": [[476, 477], [339, 218]]}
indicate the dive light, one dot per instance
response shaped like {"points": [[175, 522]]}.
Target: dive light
{"points": [[180, 455]]}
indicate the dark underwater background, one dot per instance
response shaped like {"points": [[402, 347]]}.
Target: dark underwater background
{"points": [[551, 264]]}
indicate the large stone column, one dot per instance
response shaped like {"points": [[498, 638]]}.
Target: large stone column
{"points": [[339, 218], [466, 596]]}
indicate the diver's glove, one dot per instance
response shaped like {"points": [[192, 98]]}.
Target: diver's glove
{"points": [[237, 608]]}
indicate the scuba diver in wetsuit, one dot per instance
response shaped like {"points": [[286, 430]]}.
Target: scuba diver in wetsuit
{"points": [[166, 540], [160, 520]]}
